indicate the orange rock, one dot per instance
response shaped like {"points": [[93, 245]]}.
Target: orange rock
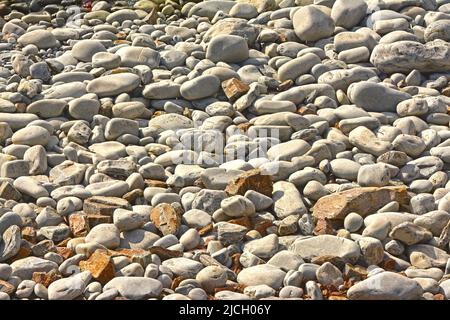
{"points": [[95, 219], [323, 226], [7, 287], [250, 180], [166, 218], [155, 183], [234, 88], [100, 265], [79, 224], [46, 278], [363, 201], [66, 253], [133, 195], [29, 234]]}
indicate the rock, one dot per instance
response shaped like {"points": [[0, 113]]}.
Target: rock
{"points": [[30, 187], [262, 275], [183, 267], [364, 201], [32, 135], [190, 239], [363, 94], [405, 56], [297, 67], [126, 220], [250, 180], [170, 122], [133, 56], [437, 30], [10, 243], [229, 233], [386, 286], [227, 48], [69, 288], [237, 206], [409, 233], [287, 200], [84, 50], [208, 200], [427, 256], [104, 205], [263, 248], [348, 13], [135, 288], [113, 84], [200, 87], [211, 277], [312, 24], [353, 222], [100, 266], [327, 274], [104, 234], [121, 16], [24, 268], [43, 39], [166, 218], [326, 245], [372, 250], [373, 175]]}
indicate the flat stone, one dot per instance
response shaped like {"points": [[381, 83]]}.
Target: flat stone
{"points": [[135, 288], [326, 245], [260, 275], [386, 286], [364, 201]]}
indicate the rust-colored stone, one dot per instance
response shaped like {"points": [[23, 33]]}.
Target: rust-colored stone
{"points": [[244, 126], [244, 221], [234, 88], [64, 242], [79, 224], [206, 229], [363, 201], [95, 219], [65, 252], [46, 278], [155, 183], [100, 265], [285, 85], [166, 218], [334, 260], [104, 205], [23, 253], [323, 226], [29, 234], [164, 253], [250, 180], [133, 195], [6, 287], [261, 225]]}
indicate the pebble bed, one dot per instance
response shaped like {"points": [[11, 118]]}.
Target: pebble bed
{"points": [[225, 150]]}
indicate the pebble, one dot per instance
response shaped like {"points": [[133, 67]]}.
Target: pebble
{"points": [[386, 286]]}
